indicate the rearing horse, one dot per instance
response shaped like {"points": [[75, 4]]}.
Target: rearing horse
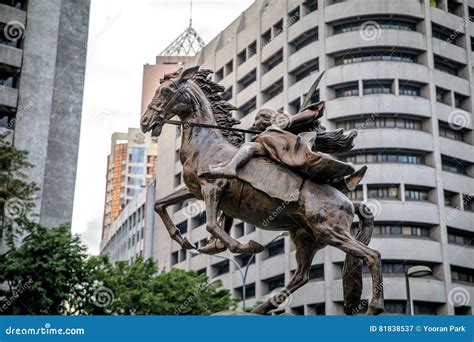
{"points": [[320, 216]]}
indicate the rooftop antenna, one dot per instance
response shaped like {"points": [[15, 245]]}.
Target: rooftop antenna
{"points": [[190, 13]]}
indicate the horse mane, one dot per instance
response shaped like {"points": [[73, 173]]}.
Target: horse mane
{"points": [[221, 109]]}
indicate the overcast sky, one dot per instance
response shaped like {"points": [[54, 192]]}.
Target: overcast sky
{"points": [[123, 36]]}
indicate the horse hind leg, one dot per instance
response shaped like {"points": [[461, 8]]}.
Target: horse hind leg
{"points": [[306, 248], [340, 238]]}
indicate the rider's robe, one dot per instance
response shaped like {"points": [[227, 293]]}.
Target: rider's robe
{"points": [[296, 153]]}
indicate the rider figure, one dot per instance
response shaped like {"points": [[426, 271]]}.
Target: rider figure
{"points": [[296, 142]]}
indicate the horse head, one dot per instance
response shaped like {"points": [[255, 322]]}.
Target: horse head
{"points": [[170, 99]]}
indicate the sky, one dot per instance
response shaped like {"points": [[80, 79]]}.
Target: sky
{"points": [[123, 36]]}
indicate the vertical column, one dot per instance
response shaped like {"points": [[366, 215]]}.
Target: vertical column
{"points": [[445, 273]]}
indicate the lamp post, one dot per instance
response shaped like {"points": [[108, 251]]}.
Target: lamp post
{"points": [[415, 272], [243, 274]]}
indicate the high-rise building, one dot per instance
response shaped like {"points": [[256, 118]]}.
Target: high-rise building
{"points": [[130, 167], [43, 46], [401, 72]]}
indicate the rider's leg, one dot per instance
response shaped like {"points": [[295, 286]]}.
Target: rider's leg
{"points": [[229, 169]]}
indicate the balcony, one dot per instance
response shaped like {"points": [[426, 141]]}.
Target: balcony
{"points": [[394, 138], [9, 13], [10, 56]]}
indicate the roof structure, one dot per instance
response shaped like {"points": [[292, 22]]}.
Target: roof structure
{"points": [[188, 43]]}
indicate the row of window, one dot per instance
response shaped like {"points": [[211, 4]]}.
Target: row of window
{"points": [[381, 121], [385, 156]]}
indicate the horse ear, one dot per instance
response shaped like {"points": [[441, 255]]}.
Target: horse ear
{"points": [[188, 73]]}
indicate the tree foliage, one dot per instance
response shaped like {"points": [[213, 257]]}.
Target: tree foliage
{"points": [[51, 274], [16, 191]]}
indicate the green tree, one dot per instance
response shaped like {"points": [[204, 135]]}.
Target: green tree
{"points": [[50, 273], [139, 289], [43, 272], [16, 192]]}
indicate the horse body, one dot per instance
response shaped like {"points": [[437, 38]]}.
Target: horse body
{"points": [[320, 216]]}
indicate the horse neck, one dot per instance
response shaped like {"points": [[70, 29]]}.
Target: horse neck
{"points": [[197, 139]]}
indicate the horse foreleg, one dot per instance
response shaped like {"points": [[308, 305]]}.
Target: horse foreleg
{"points": [[160, 208], [306, 248], [212, 195], [215, 245]]}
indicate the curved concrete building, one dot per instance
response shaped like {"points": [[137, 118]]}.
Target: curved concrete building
{"points": [[401, 72]]}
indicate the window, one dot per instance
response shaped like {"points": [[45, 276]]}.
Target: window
{"points": [[395, 307], [447, 65], [347, 90], [239, 230], [220, 268], [416, 194], [229, 67], [454, 165], [200, 219], [137, 155], [357, 194], [411, 90], [369, 56], [389, 229], [278, 28], [135, 181], [384, 192], [460, 237], [219, 74], [448, 132], [304, 39], [177, 179], [227, 94], [317, 309], [131, 192], [182, 227], [455, 7], [468, 201], [380, 122], [242, 56], [276, 248], [293, 16], [273, 90], [136, 170], [462, 274], [244, 259], [446, 34], [310, 6], [442, 95], [383, 157], [252, 49], [377, 87], [176, 155], [449, 198], [248, 107], [174, 258], [275, 283], [460, 100], [266, 37], [248, 79], [305, 69], [392, 24], [249, 291], [250, 228], [316, 273], [273, 60]]}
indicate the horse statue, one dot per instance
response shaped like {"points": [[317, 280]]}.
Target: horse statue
{"points": [[315, 214]]}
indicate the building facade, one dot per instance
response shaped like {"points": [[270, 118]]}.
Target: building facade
{"points": [[401, 72], [43, 46], [130, 167]]}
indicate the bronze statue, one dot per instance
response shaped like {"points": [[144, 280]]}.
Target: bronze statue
{"points": [[315, 213]]}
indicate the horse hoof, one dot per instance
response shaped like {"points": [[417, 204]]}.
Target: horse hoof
{"points": [[187, 245], [213, 247], [375, 310]]}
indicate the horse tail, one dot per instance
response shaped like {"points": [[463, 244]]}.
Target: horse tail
{"points": [[352, 270]]}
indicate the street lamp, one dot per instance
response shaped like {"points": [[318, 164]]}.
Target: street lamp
{"points": [[243, 274], [415, 272]]}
